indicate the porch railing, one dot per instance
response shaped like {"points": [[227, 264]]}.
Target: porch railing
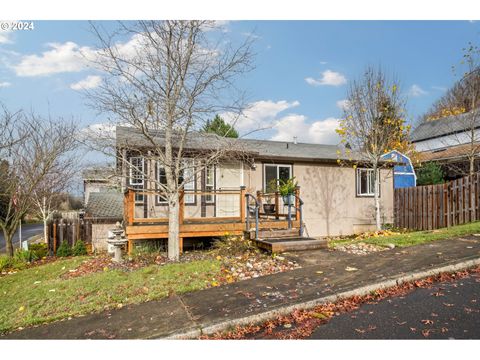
{"points": [[194, 206]]}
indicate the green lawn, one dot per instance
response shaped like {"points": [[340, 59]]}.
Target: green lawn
{"points": [[39, 294], [416, 237]]}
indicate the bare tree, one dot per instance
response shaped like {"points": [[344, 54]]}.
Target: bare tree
{"points": [[53, 142], [165, 83], [374, 123], [33, 165]]}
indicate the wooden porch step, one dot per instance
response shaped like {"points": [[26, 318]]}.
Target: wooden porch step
{"points": [[291, 244], [275, 233]]}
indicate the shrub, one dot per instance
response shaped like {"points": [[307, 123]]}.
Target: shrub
{"points": [[23, 256], [79, 248], [6, 262], [40, 250], [64, 250]]}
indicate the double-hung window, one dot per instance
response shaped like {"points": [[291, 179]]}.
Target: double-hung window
{"points": [[137, 178], [209, 183], [161, 184], [365, 182], [188, 175]]}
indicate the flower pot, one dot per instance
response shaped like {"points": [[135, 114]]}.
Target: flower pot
{"points": [[269, 208], [289, 199]]}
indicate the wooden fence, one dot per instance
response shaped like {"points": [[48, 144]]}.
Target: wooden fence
{"points": [[437, 206], [68, 230]]}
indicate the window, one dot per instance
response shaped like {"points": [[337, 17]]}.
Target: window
{"points": [[189, 176], [161, 179], [209, 182], [187, 173], [275, 172], [137, 178], [365, 182]]}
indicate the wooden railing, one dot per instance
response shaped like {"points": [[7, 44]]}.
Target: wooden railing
{"points": [[223, 203]]}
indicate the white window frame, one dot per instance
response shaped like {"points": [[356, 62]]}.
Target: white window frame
{"points": [[278, 173], [159, 199], [189, 199], [370, 191], [210, 187], [137, 183]]}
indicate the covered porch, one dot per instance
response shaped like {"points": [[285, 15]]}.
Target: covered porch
{"points": [[213, 213]]}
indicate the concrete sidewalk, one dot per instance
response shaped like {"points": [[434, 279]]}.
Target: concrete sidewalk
{"points": [[323, 277]]}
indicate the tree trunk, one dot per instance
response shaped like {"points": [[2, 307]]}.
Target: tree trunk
{"points": [[173, 227], [376, 184], [45, 235], [472, 165], [8, 240]]}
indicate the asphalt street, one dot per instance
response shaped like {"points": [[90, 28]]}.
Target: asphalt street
{"points": [[28, 230], [448, 310]]}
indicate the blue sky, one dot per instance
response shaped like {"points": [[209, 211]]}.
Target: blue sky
{"points": [[301, 75]]}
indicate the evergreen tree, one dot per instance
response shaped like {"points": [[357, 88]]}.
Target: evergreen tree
{"points": [[430, 174], [220, 127]]}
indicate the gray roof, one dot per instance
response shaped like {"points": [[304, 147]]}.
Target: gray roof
{"points": [[98, 173], [441, 127], [263, 149], [105, 205]]}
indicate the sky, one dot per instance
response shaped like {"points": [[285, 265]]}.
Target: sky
{"points": [[297, 88]]}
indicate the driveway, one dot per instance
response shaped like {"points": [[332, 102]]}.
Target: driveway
{"points": [[28, 230]]}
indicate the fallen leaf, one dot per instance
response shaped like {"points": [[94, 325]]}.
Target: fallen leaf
{"points": [[349, 268], [21, 308], [319, 272], [427, 322], [361, 331], [449, 305]]}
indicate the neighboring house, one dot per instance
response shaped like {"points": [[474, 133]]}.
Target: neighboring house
{"points": [[447, 141], [103, 211], [403, 171], [99, 179], [338, 200]]}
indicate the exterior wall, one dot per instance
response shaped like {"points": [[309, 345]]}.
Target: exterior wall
{"points": [[329, 192], [100, 236]]}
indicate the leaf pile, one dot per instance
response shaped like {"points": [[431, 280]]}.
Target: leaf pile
{"points": [[300, 324]]}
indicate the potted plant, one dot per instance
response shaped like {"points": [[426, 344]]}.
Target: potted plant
{"points": [[287, 190], [272, 187]]}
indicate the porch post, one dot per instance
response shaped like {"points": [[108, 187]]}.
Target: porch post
{"points": [[242, 203], [297, 202], [131, 206], [277, 204], [181, 217]]}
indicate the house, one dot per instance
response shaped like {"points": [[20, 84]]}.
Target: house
{"points": [[98, 179], [331, 199], [447, 141], [403, 171]]}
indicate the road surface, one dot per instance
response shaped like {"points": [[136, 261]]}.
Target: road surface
{"points": [[28, 230], [448, 310]]}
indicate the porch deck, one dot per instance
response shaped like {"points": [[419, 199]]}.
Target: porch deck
{"points": [[248, 217]]}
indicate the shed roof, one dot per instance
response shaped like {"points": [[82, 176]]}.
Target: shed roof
{"points": [[106, 204]]}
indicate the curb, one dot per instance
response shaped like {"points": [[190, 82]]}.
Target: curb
{"points": [[364, 290]]}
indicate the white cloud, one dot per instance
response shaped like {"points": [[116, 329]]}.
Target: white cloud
{"points": [[90, 82], [5, 84], [259, 115], [66, 57], [439, 88], [5, 35], [416, 91], [318, 132], [343, 104], [329, 77]]}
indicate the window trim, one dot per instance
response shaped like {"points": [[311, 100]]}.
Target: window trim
{"points": [[358, 184], [139, 198], [278, 172], [212, 185]]}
